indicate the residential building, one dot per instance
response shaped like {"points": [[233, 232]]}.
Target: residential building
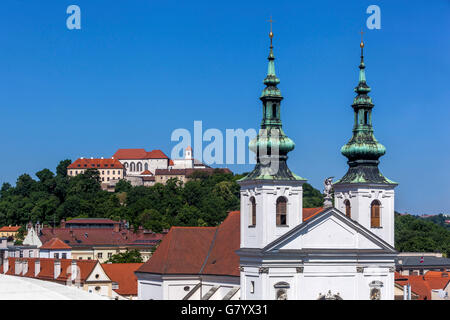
{"points": [[9, 231], [433, 285], [84, 274], [421, 263], [99, 239], [55, 248], [110, 170]]}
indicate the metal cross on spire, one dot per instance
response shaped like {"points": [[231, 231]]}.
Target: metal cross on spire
{"points": [[270, 33]]}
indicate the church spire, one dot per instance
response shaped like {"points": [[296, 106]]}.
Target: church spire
{"points": [[363, 150], [271, 146]]}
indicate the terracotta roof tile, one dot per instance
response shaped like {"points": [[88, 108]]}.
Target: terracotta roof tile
{"points": [[9, 229], [308, 213], [123, 274], [55, 244], [96, 164], [125, 154]]}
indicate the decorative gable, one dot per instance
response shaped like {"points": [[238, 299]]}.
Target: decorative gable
{"points": [[330, 229]]}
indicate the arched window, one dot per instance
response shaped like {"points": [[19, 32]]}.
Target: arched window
{"points": [[274, 111], [139, 166], [132, 167], [146, 166], [252, 211], [375, 214], [366, 117], [126, 165], [281, 211], [347, 208]]}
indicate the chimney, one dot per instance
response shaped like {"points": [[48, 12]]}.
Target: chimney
{"points": [[116, 227], [18, 267], [37, 267], [5, 265], [24, 267], [73, 271], [57, 268], [63, 223]]}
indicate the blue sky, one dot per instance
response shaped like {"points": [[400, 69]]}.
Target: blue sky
{"points": [[139, 69]]}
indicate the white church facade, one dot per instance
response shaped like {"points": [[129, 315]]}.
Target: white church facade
{"points": [[273, 248]]}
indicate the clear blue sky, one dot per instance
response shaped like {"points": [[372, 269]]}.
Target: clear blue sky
{"points": [[138, 69]]}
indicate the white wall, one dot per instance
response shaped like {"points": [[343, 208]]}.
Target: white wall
{"points": [[360, 198], [266, 196]]}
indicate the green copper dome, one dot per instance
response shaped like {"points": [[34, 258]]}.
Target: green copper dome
{"points": [[271, 145], [363, 150]]}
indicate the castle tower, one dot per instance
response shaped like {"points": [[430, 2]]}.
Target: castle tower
{"points": [[271, 195], [364, 194]]}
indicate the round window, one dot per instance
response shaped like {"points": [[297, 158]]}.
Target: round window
{"points": [[97, 288], [186, 288]]}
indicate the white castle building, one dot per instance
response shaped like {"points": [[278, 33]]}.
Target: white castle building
{"points": [[273, 248]]}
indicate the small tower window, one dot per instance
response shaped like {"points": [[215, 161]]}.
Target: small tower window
{"points": [[274, 111], [348, 209], [281, 211], [366, 117], [252, 211], [375, 214]]}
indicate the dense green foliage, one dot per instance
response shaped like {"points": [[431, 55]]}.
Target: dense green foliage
{"points": [[439, 219], [131, 256], [202, 201], [413, 234]]}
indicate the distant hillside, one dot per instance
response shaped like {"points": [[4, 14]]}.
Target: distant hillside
{"points": [[439, 219], [415, 234]]}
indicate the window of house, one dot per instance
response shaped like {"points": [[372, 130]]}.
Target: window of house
{"points": [[56, 255], [252, 286], [347, 208], [99, 255], [109, 255], [64, 255], [375, 214], [252, 211], [366, 117], [281, 211]]}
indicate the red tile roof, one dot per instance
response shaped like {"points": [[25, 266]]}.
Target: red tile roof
{"points": [[182, 251], [422, 285], [10, 229], [125, 154], [223, 260], [308, 213], [91, 221], [198, 250], [96, 164], [87, 237], [123, 274], [146, 172], [55, 244]]}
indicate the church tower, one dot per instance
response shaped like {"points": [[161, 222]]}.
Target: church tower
{"points": [[271, 195], [364, 194]]}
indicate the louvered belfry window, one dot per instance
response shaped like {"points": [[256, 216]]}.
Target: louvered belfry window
{"points": [[281, 211], [253, 211], [375, 214], [348, 210]]}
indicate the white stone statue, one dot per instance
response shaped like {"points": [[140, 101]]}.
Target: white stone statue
{"points": [[327, 192]]}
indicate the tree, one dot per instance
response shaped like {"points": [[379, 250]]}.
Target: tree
{"points": [[61, 169], [129, 256]]}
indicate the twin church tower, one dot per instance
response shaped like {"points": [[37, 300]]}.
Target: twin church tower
{"points": [[271, 195]]}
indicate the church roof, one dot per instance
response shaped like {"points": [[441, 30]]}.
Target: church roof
{"points": [[198, 250], [130, 154]]}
